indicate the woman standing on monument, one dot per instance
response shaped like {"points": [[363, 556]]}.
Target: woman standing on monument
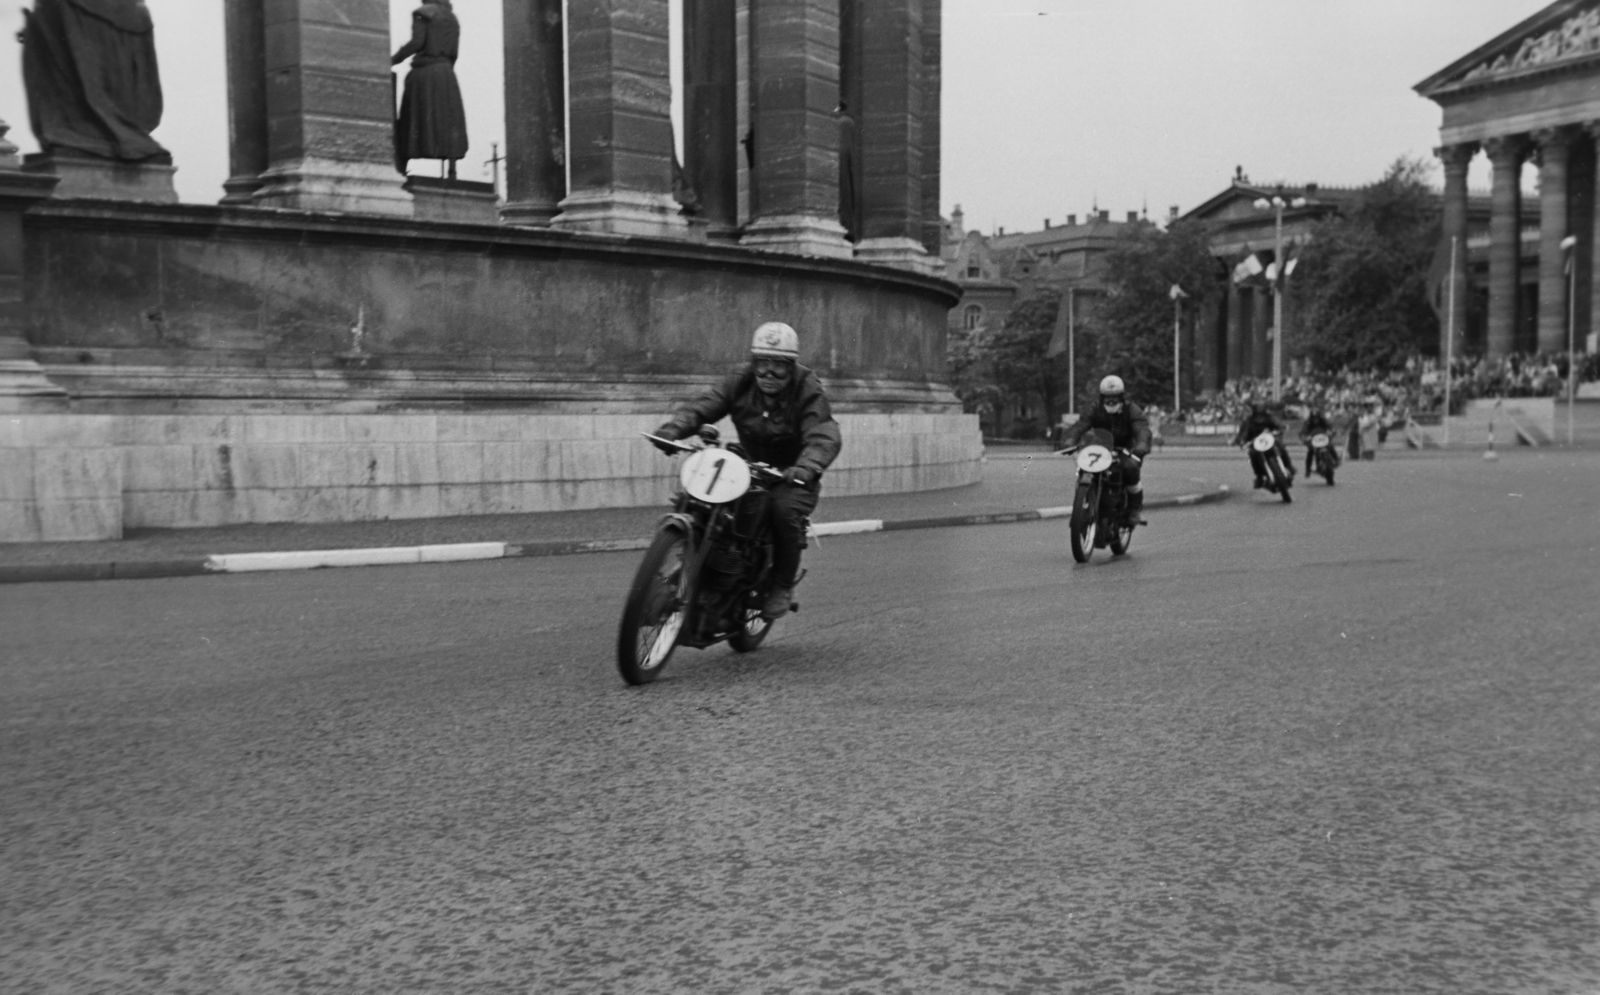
{"points": [[433, 122]]}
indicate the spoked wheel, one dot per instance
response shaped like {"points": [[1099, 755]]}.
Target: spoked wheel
{"points": [[656, 606], [1326, 465], [752, 632], [1121, 537], [1085, 518]]}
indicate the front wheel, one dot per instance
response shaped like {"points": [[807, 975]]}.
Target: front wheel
{"points": [[1280, 478], [1085, 518], [654, 613], [1325, 464]]}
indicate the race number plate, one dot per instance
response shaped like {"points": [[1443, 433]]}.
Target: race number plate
{"points": [[1263, 442], [1319, 441], [1094, 459], [715, 476]]}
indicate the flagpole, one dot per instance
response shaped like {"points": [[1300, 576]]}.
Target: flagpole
{"points": [[1450, 340]]}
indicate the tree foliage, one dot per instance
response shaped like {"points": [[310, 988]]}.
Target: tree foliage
{"points": [[1362, 281], [1133, 326], [991, 366]]}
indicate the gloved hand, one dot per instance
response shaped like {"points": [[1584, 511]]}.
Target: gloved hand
{"points": [[799, 476], [667, 431]]}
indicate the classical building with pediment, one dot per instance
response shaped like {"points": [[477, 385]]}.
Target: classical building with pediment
{"points": [[1530, 94]]}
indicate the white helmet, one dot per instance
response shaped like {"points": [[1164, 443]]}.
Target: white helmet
{"points": [[777, 340], [1112, 386]]}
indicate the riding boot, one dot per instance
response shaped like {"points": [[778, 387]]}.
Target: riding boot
{"points": [[1135, 505]]}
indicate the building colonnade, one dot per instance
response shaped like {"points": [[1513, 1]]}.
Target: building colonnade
{"points": [[589, 138]]}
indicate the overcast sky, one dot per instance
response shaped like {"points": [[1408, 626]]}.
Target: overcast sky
{"points": [[1050, 106]]}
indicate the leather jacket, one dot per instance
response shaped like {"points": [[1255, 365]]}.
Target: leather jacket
{"points": [[793, 428]]}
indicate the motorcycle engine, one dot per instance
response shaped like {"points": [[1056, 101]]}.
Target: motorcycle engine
{"points": [[724, 568]]}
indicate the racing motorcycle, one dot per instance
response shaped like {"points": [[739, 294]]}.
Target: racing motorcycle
{"points": [[1100, 505], [708, 571], [1323, 455], [1278, 479]]}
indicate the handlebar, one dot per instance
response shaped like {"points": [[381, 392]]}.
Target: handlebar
{"points": [[758, 469]]}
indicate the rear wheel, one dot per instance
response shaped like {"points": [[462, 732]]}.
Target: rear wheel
{"points": [[752, 630], [1325, 464], [1085, 518], [654, 613], [1121, 537]]}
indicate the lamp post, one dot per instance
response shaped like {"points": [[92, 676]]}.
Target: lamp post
{"points": [[1568, 244], [1277, 204], [1177, 295]]}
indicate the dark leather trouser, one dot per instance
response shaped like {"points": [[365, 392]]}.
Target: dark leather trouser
{"points": [[787, 508]]}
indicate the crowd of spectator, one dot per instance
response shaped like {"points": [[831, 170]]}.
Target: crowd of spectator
{"points": [[1415, 390]]}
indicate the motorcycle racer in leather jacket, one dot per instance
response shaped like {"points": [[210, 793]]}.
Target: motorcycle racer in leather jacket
{"points": [[1130, 430]]}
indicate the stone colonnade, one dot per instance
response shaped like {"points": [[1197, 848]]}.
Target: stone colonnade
{"points": [[1569, 194], [311, 109]]}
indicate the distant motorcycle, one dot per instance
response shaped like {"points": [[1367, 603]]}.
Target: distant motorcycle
{"points": [[1100, 504], [1323, 455], [708, 571], [1278, 479]]}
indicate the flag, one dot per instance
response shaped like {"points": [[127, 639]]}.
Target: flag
{"points": [[1058, 338], [1245, 270]]}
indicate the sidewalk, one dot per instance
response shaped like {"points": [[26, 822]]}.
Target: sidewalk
{"points": [[1015, 488]]}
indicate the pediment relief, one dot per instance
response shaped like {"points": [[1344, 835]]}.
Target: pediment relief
{"points": [[1577, 36]]}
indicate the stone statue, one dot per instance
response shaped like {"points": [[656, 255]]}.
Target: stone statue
{"points": [[433, 122], [89, 68], [849, 189]]}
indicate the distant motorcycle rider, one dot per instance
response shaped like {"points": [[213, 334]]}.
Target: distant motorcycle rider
{"points": [[783, 419], [1316, 421], [1259, 420], [1130, 430]]}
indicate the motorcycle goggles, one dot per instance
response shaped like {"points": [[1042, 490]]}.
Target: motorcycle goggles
{"points": [[1112, 403], [775, 368]]}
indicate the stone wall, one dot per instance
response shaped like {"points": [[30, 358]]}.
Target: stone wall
{"points": [[230, 365]]}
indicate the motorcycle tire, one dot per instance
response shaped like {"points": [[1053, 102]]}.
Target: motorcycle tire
{"points": [[1121, 539], [1085, 518], [1280, 480], [754, 630], [654, 613], [1325, 464]]}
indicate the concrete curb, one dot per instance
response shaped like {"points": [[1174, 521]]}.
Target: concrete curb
{"points": [[312, 559]]}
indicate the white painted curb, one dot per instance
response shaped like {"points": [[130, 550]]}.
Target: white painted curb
{"points": [[310, 559], [847, 528]]}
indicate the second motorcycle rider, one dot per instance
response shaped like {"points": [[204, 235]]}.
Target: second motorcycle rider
{"points": [[783, 419]]}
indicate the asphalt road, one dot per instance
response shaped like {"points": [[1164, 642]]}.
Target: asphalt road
{"points": [[1345, 745]]}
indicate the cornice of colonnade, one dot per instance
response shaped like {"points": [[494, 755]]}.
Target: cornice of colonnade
{"points": [[224, 222]]}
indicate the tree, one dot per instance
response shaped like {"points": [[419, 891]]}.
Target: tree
{"points": [[1134, 322], [993, 366], [1362, 281]]}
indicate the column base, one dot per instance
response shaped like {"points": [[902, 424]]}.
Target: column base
{"points": [[240, 189], [459, 201], [801, 234], [24, 386], [901, 253], [329, 185], [622, 212], [106, 179], [529, 213]]}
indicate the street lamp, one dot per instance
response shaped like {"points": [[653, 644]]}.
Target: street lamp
{"points": [[1177, 295], [1567, 245], [1277, 204]]}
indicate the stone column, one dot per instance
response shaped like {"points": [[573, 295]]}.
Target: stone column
{"points": [[536, 111], [711, 113], [620, 94], [795, 69], [1554, 149], [1236, 332], [330, 109], [1260, 344], [932, 80], [1456, 159], [23, 384], [1506, 153], [891, 134], [245, 29]]}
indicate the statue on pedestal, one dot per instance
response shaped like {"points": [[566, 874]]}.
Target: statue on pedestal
{"points": [[89, 68], [433, 122]]}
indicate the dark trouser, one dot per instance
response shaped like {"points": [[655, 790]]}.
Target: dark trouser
{"points": [[1130, 471], [1258, 462], [1311, 458], [787, 508]]}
